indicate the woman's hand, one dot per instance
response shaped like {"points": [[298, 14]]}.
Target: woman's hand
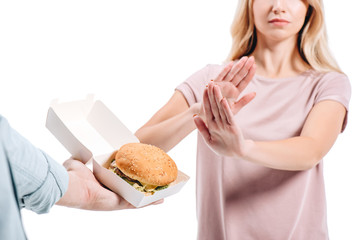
{"points": [[235, 76], [232, 80], [219, 128], [85, 192]]}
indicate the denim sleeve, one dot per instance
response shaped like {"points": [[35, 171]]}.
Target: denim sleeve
{"points": [[40, 181]]}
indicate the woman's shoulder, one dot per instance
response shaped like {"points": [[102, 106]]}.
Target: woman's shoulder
{"points": [[206, 73], [332, 83], [328, 79], [215, 66], [327, 75], [213, 69]]}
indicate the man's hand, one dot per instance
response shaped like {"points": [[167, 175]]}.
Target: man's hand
{"points": [[85, 192]]}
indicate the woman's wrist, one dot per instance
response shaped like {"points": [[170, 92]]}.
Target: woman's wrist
{"points": [[195, 109], [246, 148]]}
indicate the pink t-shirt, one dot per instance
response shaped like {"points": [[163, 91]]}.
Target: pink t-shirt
{"points": [[237, 199]]}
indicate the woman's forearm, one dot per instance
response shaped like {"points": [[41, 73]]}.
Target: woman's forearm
{"points": [[318, 135], [166, 134], [294, 154]]}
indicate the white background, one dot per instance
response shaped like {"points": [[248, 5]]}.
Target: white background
{"points": [[131, 55]]}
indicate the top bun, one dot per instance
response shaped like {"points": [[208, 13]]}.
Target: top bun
{"points": [[146, 163]]}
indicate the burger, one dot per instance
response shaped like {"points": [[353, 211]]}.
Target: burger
{"points": [[146, 167]]}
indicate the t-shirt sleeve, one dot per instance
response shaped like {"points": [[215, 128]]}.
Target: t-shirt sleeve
{"points": [[39, 180], [335, 86], [194, 86]]}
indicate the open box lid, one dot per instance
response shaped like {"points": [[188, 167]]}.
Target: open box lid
{"points": [[93, 134], [87, 124]]}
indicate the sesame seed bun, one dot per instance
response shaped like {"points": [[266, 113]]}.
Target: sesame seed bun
{"points": [[146, 163]]}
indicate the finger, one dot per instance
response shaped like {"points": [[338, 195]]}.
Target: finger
{"points": [[219, 97], [243, 83], [67, 164], [208, 113], [213, 104], [72, 164], [235, 69], [224, 72], [111, 201], [243, 71], [158, 202], [243, 101], [228, 90], [201, 126], [227, 111], [154, 203]]}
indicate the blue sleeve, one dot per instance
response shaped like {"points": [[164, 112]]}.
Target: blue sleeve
{"points": [[40, 181]]}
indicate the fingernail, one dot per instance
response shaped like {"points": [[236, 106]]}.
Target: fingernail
{"points": [[212, 80], [195, 115], [207, 85]]}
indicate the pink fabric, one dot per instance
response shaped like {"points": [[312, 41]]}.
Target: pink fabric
{"points": [[237, 199]]}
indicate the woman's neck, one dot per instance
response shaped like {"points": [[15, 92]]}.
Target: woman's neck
{"points": [[278, 59]]}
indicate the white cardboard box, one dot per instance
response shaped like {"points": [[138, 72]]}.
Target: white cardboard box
{"points": [[93, 134]]}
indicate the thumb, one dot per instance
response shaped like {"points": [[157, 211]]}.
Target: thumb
{"points": [[237, 106], [201, 126]]}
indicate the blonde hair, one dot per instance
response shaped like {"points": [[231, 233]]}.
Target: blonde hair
{"points": [[312, 39]]}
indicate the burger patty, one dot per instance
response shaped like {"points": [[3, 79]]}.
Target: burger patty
{"points": [[135, 183]]}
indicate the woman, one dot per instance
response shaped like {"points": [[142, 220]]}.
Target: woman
{"points": [[259, 161]]}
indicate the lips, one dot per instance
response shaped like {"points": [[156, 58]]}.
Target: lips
{"points": [[278, 21]]}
